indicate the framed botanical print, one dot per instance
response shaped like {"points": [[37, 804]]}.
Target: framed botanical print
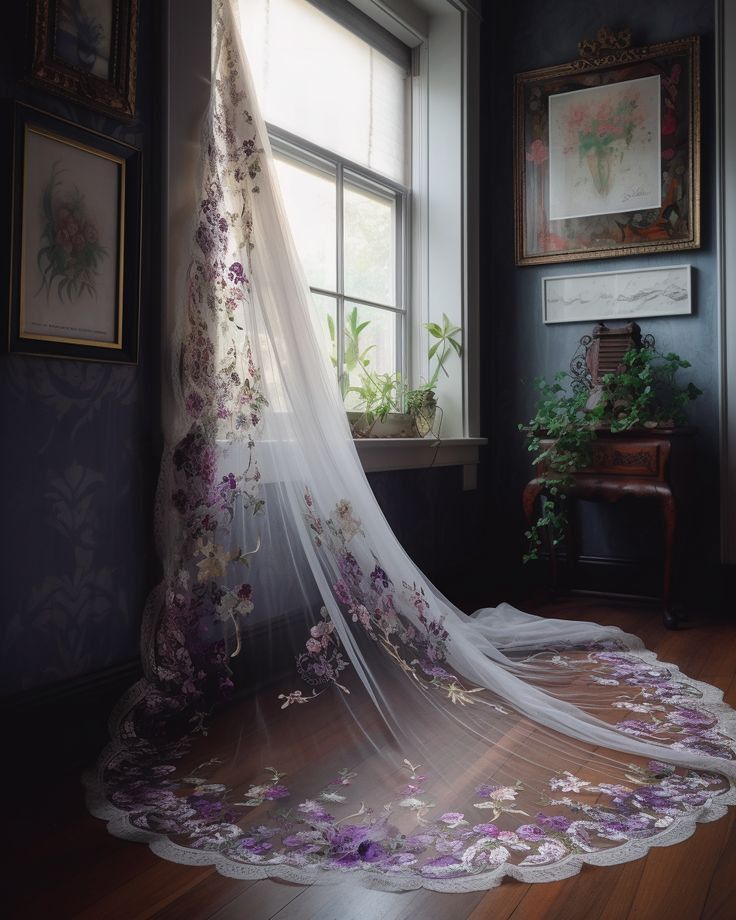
{"points": [[607, 152], [74, 267], [87, 49]]}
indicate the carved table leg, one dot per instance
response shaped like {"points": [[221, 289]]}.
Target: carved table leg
{"points": [[529, 499], [532, 491], [669, 516]]}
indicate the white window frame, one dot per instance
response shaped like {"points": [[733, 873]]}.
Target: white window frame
{"points": [[300, 150], [444, 205], [445, 170]]}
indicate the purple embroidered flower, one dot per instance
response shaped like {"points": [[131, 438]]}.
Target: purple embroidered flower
{"points": [[690, 718], [401, 860], [531, 832], [416, 788], [315, 812], [180, 501], [204, 239], [453, 819], [205, 808], [451, 845], [276, 792], [442, 863], [293, 840], [370, 851], [433, 670], [348, 565], [486, 830], [235, 273], [660, 769], [194, 403], [379, 579], [557, 823]]}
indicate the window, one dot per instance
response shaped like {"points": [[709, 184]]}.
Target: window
{"points": [[338, 109], [430, 260]]}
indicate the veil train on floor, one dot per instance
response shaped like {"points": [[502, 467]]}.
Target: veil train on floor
{"points": [[312, 706]]}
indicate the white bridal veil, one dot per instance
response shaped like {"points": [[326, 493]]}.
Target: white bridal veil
{"points": [[311, 705]]}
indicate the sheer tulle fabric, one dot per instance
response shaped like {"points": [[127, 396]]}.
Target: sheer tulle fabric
{"points": [[311, 705]]}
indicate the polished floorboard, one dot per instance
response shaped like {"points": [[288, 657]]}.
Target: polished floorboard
{"points": [[62, 864]]}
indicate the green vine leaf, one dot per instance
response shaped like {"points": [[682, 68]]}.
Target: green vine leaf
{"points": [[644, 393]]}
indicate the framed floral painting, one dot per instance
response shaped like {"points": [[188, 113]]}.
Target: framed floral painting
{"points": [[75, 252], [607, 152], [87, 49]]}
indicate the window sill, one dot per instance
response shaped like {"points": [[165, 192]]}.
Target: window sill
{"points": [[381, 454]]}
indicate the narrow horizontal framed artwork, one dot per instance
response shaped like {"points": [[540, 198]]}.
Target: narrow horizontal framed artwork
{"points": [[74, 266], [607, 152], [87, 50], [598, 296]]}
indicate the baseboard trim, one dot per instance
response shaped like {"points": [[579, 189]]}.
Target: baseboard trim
{"points": [[74, 690], [62, 727], [65, 724]]}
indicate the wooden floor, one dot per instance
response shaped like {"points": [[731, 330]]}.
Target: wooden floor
{"points": [[63, 864]]}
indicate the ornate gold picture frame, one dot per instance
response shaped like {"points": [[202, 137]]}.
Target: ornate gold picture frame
{"points": [[74, 266], [87, 50], [607, 152]]}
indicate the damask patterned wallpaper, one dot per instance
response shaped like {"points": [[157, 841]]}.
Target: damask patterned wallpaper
{"points": [[80, 444]]}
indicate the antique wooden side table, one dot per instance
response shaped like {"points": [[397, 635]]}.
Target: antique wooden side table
{"points": [[656, 464]]}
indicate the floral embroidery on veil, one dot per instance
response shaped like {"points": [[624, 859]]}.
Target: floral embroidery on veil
{"points": [[511, 782]]}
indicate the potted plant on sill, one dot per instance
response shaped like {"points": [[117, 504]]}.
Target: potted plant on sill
{"points": [[386, 406], [643, 393]]}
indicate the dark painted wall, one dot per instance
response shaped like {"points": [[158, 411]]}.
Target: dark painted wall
{"points": [[79, 442], [81, 451], [439, 525], [518, 346]]}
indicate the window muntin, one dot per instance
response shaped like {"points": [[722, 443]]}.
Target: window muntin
{"points": [[337, 113], [359, 286]]}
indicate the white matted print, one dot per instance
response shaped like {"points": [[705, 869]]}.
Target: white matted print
{"points": [[665, 291], [604, 149], [72, 226]]}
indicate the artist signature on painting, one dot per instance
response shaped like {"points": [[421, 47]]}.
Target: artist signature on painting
{"points": [[636, 191]]}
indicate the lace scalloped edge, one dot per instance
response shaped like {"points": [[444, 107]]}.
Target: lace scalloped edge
{"points": [[119, 825]]}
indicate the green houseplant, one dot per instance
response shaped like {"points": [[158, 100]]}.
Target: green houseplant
{"points": [[643, 393], [385, 401]]}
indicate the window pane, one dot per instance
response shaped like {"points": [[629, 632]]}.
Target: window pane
{"points": [[319, 81], [370, 245], [324, 317], [311, 205], [370, 347]]}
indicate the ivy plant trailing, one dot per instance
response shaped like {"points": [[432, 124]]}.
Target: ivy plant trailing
{"points": [[644, 393]]}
